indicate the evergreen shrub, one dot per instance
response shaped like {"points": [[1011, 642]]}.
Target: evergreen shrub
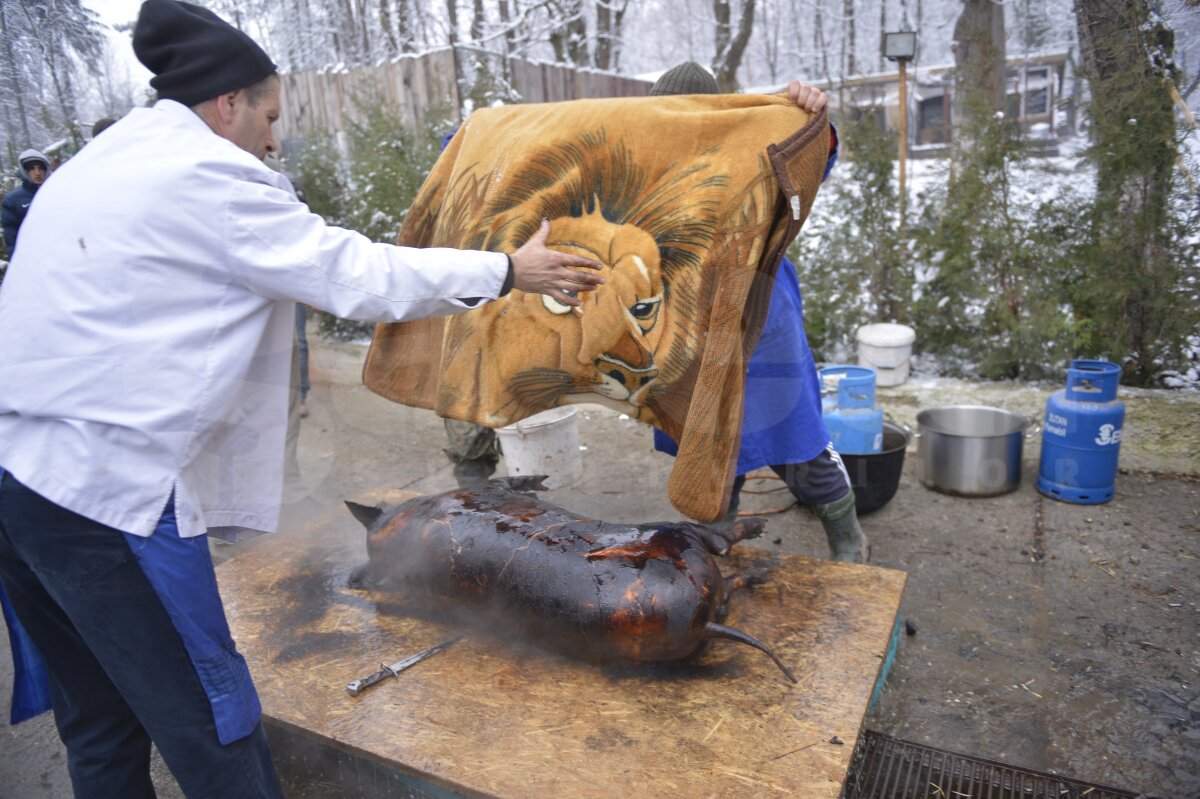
{"points": [[852, 271], [992, 298], [370, 187]]}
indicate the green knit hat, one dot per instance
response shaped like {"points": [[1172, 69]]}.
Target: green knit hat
{"points": [[687, 78]]}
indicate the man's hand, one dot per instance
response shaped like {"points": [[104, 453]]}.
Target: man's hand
{"points": [[807, 97], [537, 269]]}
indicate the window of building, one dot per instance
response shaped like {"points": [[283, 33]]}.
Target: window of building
{"points": [[1037, 91]]}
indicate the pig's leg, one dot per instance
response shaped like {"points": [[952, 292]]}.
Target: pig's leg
{"points": [[719, 538], [526, 483], [739, 581]]}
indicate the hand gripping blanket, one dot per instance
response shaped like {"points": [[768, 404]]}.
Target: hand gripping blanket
{"points": [[689, 203]]}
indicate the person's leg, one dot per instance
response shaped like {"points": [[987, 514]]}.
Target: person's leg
{"points": [[108, 750], [823, 485], [124, 656], [302, 347], [474, 450], [735, 499]]}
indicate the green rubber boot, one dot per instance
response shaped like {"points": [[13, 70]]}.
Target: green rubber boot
{"points": [[473, 449], [474, 472], [846, 540]]}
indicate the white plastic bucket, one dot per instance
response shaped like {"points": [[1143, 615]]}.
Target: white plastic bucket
{"points": [[545, 443], [886, 348]]}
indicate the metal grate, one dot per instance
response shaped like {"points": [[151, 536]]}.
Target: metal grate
{"points": [[888, 768]]}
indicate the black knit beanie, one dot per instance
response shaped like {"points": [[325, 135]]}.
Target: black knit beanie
{"points": [[194, 54], [687, 78]]}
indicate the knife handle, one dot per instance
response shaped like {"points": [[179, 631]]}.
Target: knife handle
{"points": [[358, 686]]}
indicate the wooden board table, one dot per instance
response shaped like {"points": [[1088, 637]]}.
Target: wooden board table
{"points": [[493, 718]]}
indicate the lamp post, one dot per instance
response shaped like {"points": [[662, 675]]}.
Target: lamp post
{"points": [[901, 46]]}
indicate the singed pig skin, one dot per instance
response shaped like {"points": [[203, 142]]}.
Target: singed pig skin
{"points": [[594, 590]]}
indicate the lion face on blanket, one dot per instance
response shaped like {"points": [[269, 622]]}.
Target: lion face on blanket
{"points": [[634, 336]]}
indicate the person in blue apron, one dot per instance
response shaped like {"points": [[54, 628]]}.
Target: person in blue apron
{"points": [[149, 317], [781, 421]]}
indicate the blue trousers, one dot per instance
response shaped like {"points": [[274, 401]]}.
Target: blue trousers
{"points": [[815, 482], [123, 662]]}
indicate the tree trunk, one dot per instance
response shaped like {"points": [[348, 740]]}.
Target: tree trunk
{"points": [[609, 14], [391, 45], [730, 43], [882, 29], [850, 64], [1126, 53], [568, 37], [506, 19], [771, 42], [364, 37], [980, 75], [63, 91], [819, 41], [478, 21], [452, 20], [404, 26]]}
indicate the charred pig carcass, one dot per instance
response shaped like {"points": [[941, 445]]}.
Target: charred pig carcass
{"points": [[496, 555]]}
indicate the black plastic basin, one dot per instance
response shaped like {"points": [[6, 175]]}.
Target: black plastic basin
{"points": [[876, 477]]}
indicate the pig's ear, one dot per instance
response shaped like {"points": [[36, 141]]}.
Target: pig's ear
{"points": [[364, 513]]}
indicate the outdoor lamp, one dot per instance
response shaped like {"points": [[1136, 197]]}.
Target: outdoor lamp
{"points": [[900, 46]]}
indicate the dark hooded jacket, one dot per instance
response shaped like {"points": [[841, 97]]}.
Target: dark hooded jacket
{"points": [[16, 202]]}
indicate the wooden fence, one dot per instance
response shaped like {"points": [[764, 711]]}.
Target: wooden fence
{"points": [[418, 84]]}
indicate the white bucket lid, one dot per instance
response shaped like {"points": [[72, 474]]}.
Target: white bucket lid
{"points": [[554, 416], [886, 334]]}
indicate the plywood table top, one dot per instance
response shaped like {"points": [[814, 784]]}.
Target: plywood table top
{"points": [[492, 717]]}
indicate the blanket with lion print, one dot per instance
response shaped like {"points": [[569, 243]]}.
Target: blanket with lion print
{"points": [[689, 203]]}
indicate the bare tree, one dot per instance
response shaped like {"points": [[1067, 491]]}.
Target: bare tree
{"points": [[478, 21], [730, 41], [609, 16], [11, 81], [849, 62], [44, 43], [452, 20], [508, 24], [568, 34]]}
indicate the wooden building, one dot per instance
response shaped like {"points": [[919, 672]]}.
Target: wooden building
{"points": [[1038, 99]]}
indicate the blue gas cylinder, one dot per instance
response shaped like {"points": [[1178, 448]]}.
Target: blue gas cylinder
{"points": [[848, 409], [1081, 435]]}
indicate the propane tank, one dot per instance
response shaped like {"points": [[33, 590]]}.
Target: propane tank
{"points": [[1081, 436], [848, 409]]}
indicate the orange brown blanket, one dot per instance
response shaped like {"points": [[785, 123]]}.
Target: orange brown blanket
{"points": [[688, 201]]}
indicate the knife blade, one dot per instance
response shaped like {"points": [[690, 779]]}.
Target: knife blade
{"points": [[358, 686]]}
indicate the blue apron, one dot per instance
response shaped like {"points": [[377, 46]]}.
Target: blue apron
{"points": [[781, 420], [181, 573], [31, 683]]}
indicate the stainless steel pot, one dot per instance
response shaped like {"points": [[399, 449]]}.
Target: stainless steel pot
{"points": [[970, 450]]}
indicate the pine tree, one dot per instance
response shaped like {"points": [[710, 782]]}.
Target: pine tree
{"points": [[855, 274], [1133, 299]]}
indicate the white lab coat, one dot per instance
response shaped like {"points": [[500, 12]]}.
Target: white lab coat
{"points": [[146, 323]]}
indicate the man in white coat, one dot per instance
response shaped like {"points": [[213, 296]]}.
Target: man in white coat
{"points": [[147, 320]]}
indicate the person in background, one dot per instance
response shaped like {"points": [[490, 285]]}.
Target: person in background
{"points": [[32, 169], [148, 322], [781, 420], [101, 125]]}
